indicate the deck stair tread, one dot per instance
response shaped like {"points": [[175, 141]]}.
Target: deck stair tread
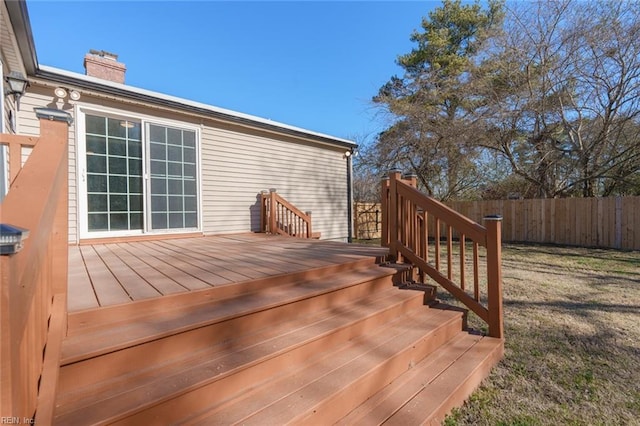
{"points": [[325, 388], [226, 358], [431, 382], [97, 341]]}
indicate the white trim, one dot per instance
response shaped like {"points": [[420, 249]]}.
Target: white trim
{"points": [[82, 209], [4, 172]]}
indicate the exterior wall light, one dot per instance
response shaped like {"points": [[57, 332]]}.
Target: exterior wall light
{"points": [[17, 86], [11, 238]]}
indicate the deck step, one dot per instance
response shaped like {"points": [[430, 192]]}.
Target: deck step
{"points": [[428, 391], [341, 344], [337, 381]]}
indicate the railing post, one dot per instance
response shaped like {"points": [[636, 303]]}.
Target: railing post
{"points": [[493, 225], [272, 210], [384, 206], [394, 176], [309, 233], [263, 210]]}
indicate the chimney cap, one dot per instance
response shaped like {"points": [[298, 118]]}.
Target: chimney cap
{"points": [[104, 54]]}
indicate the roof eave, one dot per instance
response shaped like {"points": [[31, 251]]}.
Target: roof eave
{"points": [[145, 96], [19, 16]]}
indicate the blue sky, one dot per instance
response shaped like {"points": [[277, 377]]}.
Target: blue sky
{"points": [[314, 65]]}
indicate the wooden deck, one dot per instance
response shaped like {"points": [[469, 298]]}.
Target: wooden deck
{"points": [[117, 273]]}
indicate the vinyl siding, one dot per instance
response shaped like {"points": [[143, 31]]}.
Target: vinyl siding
{"points": [[236, 163]]}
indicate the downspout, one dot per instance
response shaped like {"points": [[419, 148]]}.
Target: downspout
{"points": [[348, 155]]}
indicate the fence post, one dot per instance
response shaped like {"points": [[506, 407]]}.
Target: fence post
{"points": [[263, 210], [384, 206], [493, 225], [394, 176], [272, 211]]}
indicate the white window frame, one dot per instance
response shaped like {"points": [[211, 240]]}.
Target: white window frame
{"points": [[81, 166]]}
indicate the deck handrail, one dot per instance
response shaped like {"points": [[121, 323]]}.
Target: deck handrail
{"points": [[412, 221], [279, 216], [34, 280]]}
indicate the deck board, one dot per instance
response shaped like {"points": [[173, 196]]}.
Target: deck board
{"points": [[121, 272]]}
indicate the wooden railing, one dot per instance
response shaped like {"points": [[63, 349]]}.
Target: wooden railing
{"points": [[416, 226], [34, 280], [278, 216]]}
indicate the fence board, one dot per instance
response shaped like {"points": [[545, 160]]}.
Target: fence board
{"points": [[612, 222]]}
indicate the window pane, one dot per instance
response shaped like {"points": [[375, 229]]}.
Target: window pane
{"points": [[158, 186], [190, 171], [135, 185], [119, 221], [158, 151], [135, 167], [97, 203], [175, 204], [158, 168], [159, 204], [135, 203], [157, 134], [135, 149], [135, 219], [96, 164], [189, 139], [118, 165], [190, 204], [98, 222], [189, 155], [174, 169], [117, 128], [95, 125], [190, 187], [159, 221], [174, 153], [174, 136], [176, 220], [133, 132], [117, 147], [118, 203], [175, 186], [96, 183], [118, 184], [190, 220], [96, 145]]}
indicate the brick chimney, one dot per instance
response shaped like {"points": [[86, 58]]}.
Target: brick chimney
{"points": [[104, 65]]}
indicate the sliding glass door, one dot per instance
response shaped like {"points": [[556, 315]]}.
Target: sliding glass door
{"points": [[140, 177], [172, 156]]}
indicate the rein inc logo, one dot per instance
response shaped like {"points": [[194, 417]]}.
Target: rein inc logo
{"points": [[16, 421]]}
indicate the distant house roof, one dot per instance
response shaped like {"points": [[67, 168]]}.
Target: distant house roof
{"points": [[20, 21]]}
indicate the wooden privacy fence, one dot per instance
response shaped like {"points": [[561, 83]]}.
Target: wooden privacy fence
{"points": [[367, 220], [474, 278], [610, 222], [278, 216], [34, 280]]}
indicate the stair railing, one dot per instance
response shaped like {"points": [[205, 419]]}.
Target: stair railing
{"points": [[415, 226], [33, 301], [279, 216]]}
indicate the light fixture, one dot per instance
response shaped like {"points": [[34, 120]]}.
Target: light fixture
{"points": [[11, 238], [17, 86], [347, 154], [62, 93], [127, 124]]}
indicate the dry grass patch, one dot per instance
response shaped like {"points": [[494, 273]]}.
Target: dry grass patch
{"points": [[572, 350]]}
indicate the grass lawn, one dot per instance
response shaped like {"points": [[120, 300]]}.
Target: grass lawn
{"points": [[572, 348]]}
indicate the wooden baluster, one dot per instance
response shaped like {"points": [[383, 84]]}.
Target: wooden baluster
{"points": [[394, 215], [449, 251], [309, 233], [437, 244], [462, 260], [476, 273], [273, 209], [384, 207]]}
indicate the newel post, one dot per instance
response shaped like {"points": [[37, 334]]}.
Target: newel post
{"points": [[493, 225], [394, 177], [309, 231], [272, 210]]}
